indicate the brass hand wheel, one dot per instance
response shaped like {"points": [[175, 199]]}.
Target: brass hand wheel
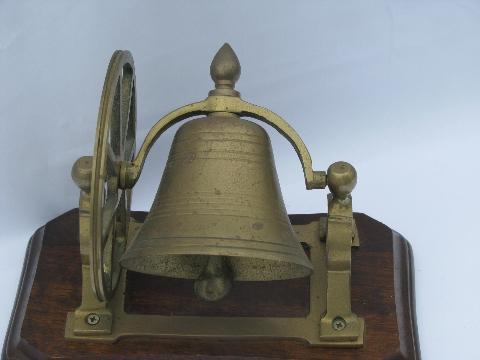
{"points": [[114, 143]]}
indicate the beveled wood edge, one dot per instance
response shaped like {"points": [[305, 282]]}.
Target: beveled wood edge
{"points": [[14, 347], [404, 282]]}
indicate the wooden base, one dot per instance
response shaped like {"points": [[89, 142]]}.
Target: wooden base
{"points": [[382, 293]]}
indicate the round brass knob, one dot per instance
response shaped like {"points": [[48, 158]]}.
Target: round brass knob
{"points": [[82, 172], [341, 178]]}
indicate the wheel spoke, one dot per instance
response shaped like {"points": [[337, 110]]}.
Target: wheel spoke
{"points": [[111, 165], [127, 94], [129, 146], [116, 120], [108, 215]]}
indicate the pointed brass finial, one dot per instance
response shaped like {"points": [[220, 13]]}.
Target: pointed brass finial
{"points": [[225, 71]]}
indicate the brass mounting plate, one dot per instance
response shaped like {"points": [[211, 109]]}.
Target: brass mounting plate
{"points": [[306, 328]]}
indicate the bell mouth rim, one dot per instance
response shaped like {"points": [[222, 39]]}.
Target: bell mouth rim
{"points": [[253, 268]]}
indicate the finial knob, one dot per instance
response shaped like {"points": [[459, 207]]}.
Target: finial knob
{"points": [[225, 71], [341, 178]]}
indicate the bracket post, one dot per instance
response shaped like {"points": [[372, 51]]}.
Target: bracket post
{"points": [[92, 317], [339, 323]]}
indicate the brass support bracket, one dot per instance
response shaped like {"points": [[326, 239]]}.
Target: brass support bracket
{"points": [[79, 326], [130, 171], [92, 317], [339, 323]]}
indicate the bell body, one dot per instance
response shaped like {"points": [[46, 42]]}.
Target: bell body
{"points": [[219, 196]]}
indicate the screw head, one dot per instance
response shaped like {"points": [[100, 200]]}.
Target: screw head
{"points": [[339, 323], [92, 319]]}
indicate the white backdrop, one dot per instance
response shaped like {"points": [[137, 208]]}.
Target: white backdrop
{"points": [[391, 86]]}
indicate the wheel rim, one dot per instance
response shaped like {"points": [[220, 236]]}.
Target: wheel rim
{"points": [[115, 143]]}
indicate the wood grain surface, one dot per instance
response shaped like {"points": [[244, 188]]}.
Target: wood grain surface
{"points": [[382, 293]]}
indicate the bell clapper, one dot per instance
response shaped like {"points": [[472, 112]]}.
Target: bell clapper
{"points": [[215, 281]]}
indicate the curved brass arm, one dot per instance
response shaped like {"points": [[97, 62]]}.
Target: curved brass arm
{"points": [[313, 179], [130, 172]]}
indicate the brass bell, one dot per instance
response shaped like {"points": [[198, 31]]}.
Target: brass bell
{"points": [[218, 214]]}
